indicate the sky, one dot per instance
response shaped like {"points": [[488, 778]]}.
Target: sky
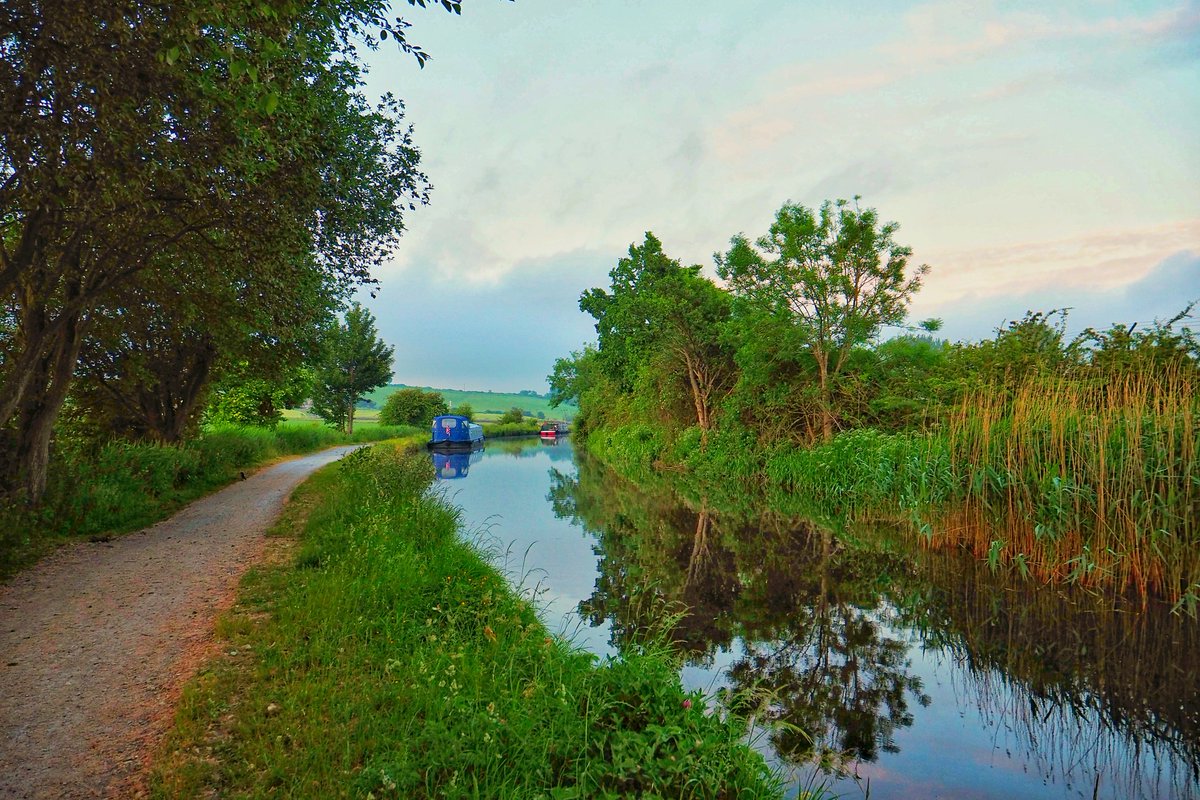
{"points": [[1035, 155]]}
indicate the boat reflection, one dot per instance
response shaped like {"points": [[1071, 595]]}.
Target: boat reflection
{"points": [[451, 466]]}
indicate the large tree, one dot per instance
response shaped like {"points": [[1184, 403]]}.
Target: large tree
{"points": [[661, 321], [140, 139], [356, 361], [836, 275]]}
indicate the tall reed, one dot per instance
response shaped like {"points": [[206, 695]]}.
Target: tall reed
{"points": [[1092, 480]]}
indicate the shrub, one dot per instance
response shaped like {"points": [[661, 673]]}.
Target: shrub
{"points": [[411, 406], [514, 414]]}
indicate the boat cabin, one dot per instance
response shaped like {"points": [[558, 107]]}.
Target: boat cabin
{"points": [[455, 431], [551, 430]]}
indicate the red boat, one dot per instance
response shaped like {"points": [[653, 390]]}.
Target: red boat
{"points": [[552, 430]]}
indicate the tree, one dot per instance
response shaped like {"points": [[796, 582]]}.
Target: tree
{"points": [[836, 275], [466, 410], [411, 406], [356, 362], [661, 317], [143, 139], [514, 415]]}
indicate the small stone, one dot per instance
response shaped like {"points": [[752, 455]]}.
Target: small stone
{"points": [[272, 709]]}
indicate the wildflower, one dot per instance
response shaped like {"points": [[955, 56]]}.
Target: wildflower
{"points": [[687, 704]]}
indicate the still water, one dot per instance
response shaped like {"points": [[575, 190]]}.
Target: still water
{"points": [[912, 674]]}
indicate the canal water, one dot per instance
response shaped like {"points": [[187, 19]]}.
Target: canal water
{"points": [[895, 672]]}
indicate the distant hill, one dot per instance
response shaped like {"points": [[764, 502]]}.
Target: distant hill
{"points": [[483, 402]]}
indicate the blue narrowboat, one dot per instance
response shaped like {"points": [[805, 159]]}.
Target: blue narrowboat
{"points": [[455, 432]]}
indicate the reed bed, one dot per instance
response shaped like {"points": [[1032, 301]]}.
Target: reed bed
{"points": [[1068, 478], [1093, 481]]}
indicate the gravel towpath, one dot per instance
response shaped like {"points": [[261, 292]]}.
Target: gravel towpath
{"points": [[97, 639]]}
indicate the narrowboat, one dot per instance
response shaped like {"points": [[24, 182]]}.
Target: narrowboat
{"points": [[455, 432], [552, 430]]}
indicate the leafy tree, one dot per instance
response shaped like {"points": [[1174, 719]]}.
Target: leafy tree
{"points": [[662, 322], [199, 135], [513, 415], [241, 399], [466, 410], [836, 275], [566, 378], [356, 361], [411, 406]]}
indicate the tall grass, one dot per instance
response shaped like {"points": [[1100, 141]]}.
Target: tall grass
{"points": [[121, 486], [393, 662], [1094, 481]]}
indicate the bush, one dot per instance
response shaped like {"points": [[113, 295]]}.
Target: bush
{"points": [[514, 415], [412, 407]]}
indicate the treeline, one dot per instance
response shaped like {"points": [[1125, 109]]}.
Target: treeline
{"points": [[188, 194], [1064, 457]]}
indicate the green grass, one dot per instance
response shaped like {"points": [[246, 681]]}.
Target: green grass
{"points": [[485, 403], [388, 659], [123, 486]]}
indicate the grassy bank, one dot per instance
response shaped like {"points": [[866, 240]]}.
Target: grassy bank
{"points": [[1097, 484], [120, 486], [387, 659]]}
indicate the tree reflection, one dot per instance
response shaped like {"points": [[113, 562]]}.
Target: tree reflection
{"points": [[1084, 690], [806, 607]]}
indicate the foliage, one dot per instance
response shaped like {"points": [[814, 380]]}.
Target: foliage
{"points": [[412, 407], [395, 658], [659, 329], [514, 415], [484, 402], [495, 430], [837, 275], [240, 399], [466, 410], [211, 178], [355, 361]]}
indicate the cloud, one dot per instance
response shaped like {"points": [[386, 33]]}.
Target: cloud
{"points": [[503, 336], [943, 40], [1159, 294], [1104, 259]]}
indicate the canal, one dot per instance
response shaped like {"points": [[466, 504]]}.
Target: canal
{"points": [[886, 670]]}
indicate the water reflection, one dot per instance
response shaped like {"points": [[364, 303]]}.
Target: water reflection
{"points": [[897, 664], [453, 465]]}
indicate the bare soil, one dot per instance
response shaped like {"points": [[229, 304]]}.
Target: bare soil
{"points": [[97, 639]]}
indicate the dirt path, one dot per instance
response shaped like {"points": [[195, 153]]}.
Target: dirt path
{"points": [[97, 639]]}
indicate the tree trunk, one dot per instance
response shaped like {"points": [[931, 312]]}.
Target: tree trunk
{"points": [[37, 418], [826, 398], [350, 418]]}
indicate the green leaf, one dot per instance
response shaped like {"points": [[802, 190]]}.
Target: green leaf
{"points": [[172, 54], [271, 103]]}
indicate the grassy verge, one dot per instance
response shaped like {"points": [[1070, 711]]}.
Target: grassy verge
{"points": [[389, 660], [121, 486]]}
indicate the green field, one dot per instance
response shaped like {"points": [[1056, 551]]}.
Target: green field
{"points": [[484, 402]]}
